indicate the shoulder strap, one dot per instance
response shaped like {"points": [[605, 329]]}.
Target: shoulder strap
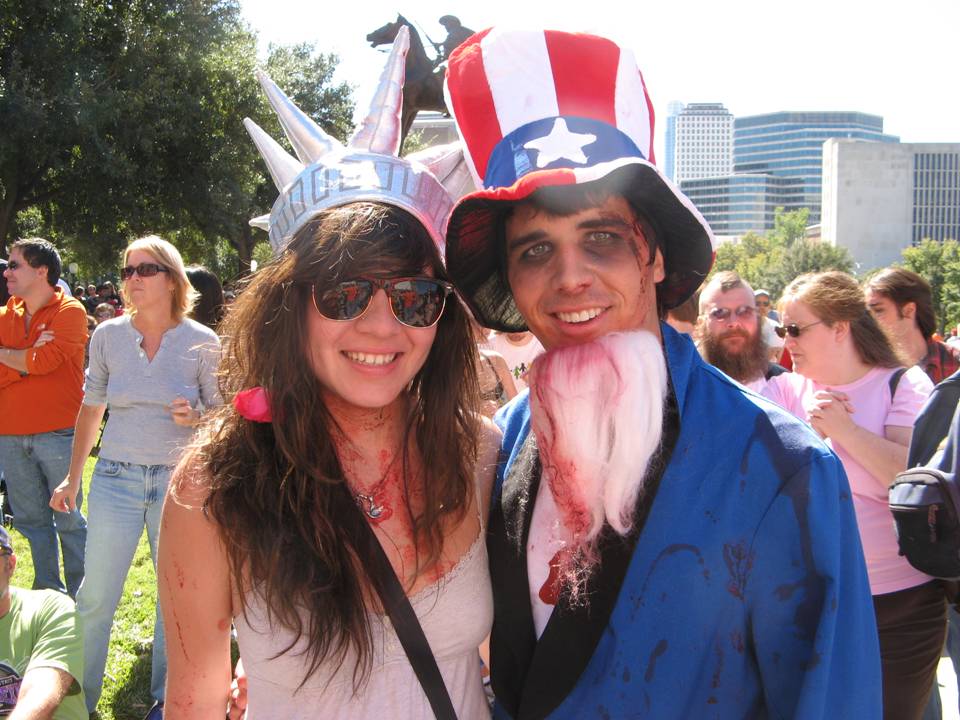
{"points": [[895, 380], [409, 632]]}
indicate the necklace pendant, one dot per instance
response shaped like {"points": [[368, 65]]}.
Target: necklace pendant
{"points": [[368, 504]]}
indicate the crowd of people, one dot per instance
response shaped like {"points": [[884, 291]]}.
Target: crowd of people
{"points": [[678, 509]]}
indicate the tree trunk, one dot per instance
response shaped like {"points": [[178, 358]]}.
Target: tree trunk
{"points": [[244, 244], [7, 205]]}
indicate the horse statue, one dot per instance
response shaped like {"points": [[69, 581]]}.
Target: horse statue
{"points": [[423, 78]]}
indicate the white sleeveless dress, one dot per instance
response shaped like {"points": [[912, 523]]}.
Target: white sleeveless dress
{"points": [[455, 614]]}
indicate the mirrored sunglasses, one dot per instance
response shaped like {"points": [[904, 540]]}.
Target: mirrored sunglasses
{"points": [[416, 302], [144, 270], [793, 330], [744, 312]]}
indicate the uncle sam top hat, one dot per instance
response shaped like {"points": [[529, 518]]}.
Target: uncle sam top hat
{"points": [[547, 108]]}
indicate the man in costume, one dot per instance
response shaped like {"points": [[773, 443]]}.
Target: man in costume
{"points": [[730, 332], [662, 543], [41, 649]]}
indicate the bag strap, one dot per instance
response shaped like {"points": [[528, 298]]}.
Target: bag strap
{"points": [[409, 632], [895, 380]]}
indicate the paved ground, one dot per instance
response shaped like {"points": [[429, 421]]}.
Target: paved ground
{"points": [[948, 689]]}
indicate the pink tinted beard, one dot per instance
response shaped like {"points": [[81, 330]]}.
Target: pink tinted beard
{"points": [[560, 471]]}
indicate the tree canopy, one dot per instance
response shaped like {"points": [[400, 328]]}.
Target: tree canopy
{"points": [[771, 261], [939, 264], [123, 117]]}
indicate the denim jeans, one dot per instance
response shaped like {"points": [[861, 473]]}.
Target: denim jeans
{"points": [[123, 498], [34, 465]]}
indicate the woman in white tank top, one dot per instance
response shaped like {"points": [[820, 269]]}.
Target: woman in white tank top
{"points": [[351, 368]]}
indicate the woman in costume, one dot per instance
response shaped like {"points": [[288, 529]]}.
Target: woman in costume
{"points": [[849, 385], [153, 368], [352, 434]]}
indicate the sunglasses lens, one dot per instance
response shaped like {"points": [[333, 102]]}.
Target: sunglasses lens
{"points": [[147, 269], [780, 331], [417, 302], [344, 301]]}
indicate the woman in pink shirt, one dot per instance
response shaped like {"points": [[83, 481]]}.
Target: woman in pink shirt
{"points": [[843, 367]]}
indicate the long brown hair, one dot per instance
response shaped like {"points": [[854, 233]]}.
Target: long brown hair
{"points": [[277, 490], [903, 286], [834, 296]]}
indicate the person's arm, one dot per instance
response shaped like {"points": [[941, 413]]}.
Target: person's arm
{"points": [[488, 457], [64, 497], [195, 596], [41, 693], [67, 333], [488, 454], [503, 372], [17, 359], [882, 457], [208, 358], [813, 630]]}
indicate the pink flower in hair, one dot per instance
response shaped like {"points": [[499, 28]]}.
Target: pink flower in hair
{"points": [[253, 404]]}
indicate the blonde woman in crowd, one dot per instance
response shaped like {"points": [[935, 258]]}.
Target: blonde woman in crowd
{"points": [[154, 369]]}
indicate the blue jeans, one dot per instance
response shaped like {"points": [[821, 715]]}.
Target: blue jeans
{"points": [[123, 498], [34, 465]]}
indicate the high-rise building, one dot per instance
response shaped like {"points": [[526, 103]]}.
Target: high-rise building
{"points": [[734, 205], [703, 147], [790, 144], [879, 198], [670, 139]]}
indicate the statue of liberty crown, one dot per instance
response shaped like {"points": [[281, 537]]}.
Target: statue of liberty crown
{"points": [[328, 174]]}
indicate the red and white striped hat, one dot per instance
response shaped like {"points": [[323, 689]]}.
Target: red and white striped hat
{"points": [[544, 108]]}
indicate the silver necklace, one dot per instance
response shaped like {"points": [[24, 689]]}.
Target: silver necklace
{"points": [[370, 507]]}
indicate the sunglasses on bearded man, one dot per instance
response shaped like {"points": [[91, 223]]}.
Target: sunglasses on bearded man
{"points": [[744, 312], [416, 302]]}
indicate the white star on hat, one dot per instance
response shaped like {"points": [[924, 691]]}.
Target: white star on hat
{"points": [[560, 143]]}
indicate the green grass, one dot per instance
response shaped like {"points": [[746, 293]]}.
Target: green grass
{"points": [[126, 683]]}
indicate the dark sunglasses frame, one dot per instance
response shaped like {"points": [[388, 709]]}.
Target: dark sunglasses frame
{"points": [[393, 294], [793, 330], [143, 270], [722, 314], [13, 265]]}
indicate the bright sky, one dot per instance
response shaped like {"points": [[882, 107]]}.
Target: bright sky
{"points": [[755, 56]]}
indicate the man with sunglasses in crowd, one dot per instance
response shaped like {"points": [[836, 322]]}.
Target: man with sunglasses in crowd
{"points": [[41, 649], [43, 335], [661, 542], [730, 333]]}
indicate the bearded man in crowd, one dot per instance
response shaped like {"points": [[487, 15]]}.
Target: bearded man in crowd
{"points": [[730, 334]]}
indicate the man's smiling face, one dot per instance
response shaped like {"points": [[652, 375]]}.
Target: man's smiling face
{"points": [[577, 277]]}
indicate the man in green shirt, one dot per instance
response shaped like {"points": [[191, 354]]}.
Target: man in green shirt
{"points": [[41, 649]]}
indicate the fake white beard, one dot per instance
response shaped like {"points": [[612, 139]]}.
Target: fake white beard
{"points": [[597, 413]]}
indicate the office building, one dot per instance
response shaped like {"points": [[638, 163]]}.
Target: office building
{"points": [[790, 144], [703, 145], [670, 139], [881, 198], [734, 205]]}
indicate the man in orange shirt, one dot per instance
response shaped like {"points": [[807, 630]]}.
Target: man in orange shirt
{"points": [[43, 334]]}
